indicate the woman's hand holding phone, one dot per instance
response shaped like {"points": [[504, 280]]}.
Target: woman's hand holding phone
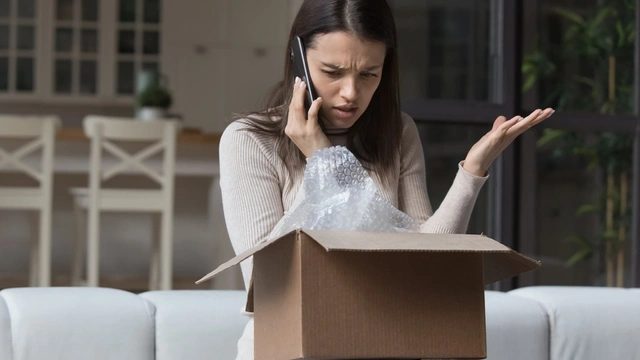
{"points": [[304, 129]]}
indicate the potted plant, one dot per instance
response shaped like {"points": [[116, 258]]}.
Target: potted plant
{"points": [[154, 102], [602, 42]]}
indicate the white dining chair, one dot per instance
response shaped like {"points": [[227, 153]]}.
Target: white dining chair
{"points": [[108, 134], [31, 134]]}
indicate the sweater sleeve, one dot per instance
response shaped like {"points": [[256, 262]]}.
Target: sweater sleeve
{"points": [[455, 211], [251, 194]]}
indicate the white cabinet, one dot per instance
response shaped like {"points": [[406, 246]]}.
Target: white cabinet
{"points": [[222, 56], [191, 29], [260, 23], [219, 56]]}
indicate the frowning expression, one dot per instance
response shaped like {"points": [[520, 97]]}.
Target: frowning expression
{"points": [[346, 72]]}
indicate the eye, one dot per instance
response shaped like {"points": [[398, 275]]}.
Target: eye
{"points": [[369, 75], [331, 73]]}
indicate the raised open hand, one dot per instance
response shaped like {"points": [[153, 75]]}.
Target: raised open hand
{"points": [[492, 144]]}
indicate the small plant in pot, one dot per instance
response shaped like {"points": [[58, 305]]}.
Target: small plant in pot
{"points": [[153, 103]]}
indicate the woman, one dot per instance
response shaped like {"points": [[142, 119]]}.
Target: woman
{"points": [[352, 57]]}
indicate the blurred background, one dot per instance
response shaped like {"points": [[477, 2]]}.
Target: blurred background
{"points": [[563, 193]]}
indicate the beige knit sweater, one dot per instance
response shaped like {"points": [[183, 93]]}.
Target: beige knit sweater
{"points": [[258, 191]]}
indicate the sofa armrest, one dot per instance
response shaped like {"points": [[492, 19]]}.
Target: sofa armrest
{"points": [[77, 323], [517, 328], [5, 332], [589, 323], [197, 324]]}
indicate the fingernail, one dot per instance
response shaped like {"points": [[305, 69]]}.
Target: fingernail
{"points": [[297, 80], [302, 84], [520, 118]]}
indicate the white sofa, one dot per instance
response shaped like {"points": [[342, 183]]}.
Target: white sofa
{"points": [[535, 323]]}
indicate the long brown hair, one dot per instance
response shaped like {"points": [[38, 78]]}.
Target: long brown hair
{"points": [[375, 138]]}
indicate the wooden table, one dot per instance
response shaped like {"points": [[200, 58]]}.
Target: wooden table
{"points": [[186, 136]]}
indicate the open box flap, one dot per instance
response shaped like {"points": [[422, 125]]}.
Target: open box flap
{"points": [[499, 261], [333, 240], [240, 258]]}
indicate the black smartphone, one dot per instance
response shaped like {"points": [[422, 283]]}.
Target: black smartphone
{"points": [[301, 69]]}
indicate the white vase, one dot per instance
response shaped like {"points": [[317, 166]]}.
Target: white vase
{"points": [[151, 113]]}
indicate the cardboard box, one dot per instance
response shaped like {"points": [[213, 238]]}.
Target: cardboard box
{"points": [[319, 294]]}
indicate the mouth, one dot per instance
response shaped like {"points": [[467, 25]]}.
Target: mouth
{"points": [[345, 111]]}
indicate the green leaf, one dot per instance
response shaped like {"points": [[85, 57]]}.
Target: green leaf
{"points": [[550, 135], [621, 35], [587, 209], [581, 255], [529, 82], [593, 165], [569, 15], [609, 234], [580, 240], [601, 16], [586, 81]]}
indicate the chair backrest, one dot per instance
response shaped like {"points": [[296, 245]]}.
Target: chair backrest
{"points": [[104, 132], [39, 132]]}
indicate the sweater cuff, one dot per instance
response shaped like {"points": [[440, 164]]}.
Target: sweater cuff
{"points": [[461, 167], [469, 181]]}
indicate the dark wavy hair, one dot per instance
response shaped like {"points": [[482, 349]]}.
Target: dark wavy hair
{"points": [[375, 138]]}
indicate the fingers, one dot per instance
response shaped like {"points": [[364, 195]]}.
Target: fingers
{"points": [[530, 121], [297, 101], [314, 110], [499, 121], [510, 129], [502, 124]]}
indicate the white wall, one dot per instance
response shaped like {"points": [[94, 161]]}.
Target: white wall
{"points": [[223, 55]]}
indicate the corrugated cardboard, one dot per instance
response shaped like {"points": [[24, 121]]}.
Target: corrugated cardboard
{"points": [[357, 295]]}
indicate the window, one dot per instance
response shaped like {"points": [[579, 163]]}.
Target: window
{"points": [[77, 50], [138, 41], [445, 49], [17, 46], [584, 239], [76, 43], [445, 144], [579, 56]]}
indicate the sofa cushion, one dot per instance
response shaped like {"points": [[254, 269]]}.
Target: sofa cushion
{"points": [[5, 331], [197, 324], [589, 323], [79, 323], [517, 328]]}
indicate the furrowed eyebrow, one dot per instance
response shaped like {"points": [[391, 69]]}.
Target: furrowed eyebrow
{"points": [[332, 66], [374, 67], [338, 67]]}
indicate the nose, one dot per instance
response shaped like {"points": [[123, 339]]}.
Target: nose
{"points": [[349, 88]]}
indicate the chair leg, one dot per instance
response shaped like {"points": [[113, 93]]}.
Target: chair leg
{"points": [[44, 254], [155, 253], [79, 245], [35, 249], [93, 247], [166, 250]]}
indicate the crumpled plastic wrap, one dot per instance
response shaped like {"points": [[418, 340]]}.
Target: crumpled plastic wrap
{"points": [[339, 194]]}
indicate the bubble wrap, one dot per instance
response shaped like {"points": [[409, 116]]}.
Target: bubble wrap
{"points": [[339, 194]]}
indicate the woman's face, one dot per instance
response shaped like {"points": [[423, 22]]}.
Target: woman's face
{"points": [[345, 71]]}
